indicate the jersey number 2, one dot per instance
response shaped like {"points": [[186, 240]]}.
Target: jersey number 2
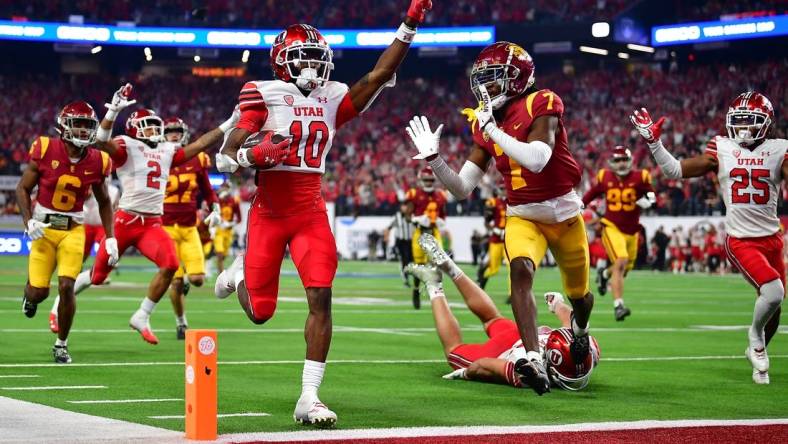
{"points": [[154, 174], [313, 148], [742, 179]]}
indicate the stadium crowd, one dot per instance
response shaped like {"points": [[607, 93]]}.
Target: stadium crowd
{"points": [[370, 166]]}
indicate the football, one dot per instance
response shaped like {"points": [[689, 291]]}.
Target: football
{"points": [[256, 139]]}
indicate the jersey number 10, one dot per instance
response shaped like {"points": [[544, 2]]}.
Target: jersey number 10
{"points": [[316, 141]]}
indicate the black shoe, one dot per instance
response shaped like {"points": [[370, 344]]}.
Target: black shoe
{"points": [[601, 281], [533, 374], [180, 332], [579, 348], [416, 299], [60, 352], [186, 287], [482, 283], [28, 308], [621, 312]]}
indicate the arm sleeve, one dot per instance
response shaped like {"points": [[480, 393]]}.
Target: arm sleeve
{"points": [[460, 185], [346, 111], [670, 166], [253, 110], [531, 155], [120, 155]]}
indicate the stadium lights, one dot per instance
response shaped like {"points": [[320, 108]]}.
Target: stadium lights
{"points": [[600, 29], [96, 49], [245, 56], [196, 58], [592, 50], [148, 54], [623, 55], [642, 48]]}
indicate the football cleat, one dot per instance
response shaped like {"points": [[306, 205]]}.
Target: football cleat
{"points": [[553, 298], [60, 352], [435, 253], [532, 373], [427, 274], [28, 308], [186, 287], [601, 281], [579, 348], [760, 377], [416, 298], [225, 284], [180, 332], [53, 327], [314, 413], [621, 312], [141, 322], [758, 358]]}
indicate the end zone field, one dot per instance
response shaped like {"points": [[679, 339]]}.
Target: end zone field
{"points": [[678, 357]]}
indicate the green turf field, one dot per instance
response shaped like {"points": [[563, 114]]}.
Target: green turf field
{"points": [[679, 356]]}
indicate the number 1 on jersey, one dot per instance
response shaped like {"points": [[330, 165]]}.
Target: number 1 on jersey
{"points": [[313, 155]]}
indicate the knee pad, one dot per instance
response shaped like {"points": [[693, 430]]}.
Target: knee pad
{"points": [[773, 292]]}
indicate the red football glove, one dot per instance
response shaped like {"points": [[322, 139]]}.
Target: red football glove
{"points": [[268, 154], [418, 8], [645, 126]]}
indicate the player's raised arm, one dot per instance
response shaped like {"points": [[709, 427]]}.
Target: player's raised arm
{"points": [[120, 100], [207, 140], [363, 92], [671, 167], [427, 141]]}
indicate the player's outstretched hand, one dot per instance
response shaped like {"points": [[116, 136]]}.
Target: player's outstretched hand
{"points": [[121, 99], [111, 246], [418, 9], [35, 229], [215, 218], [423, 138], [645, 126]]}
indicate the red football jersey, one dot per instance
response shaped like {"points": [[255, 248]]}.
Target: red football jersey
{"points": [[496, 208], [230, 209], [559, 176], [185, 182], [62, 185], [433, 204], [620, 196]]}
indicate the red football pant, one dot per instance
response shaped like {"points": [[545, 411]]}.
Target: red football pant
{"points": [[93, 234], [312, 248], [503, 334], [760, 259], [144, 233]]}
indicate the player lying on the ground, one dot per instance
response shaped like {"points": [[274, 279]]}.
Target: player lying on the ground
{"points": [[64, 169], [750, 167], [495, 359]]}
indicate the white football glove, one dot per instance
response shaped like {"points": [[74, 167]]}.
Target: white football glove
{"points": [[644, 125], [35, 229], [498, 231], [229, 124], [225, 163], [121, 99], [422, 136], [484, 113], [456, 374], [215, 218], [647, 201], [111, 247]]}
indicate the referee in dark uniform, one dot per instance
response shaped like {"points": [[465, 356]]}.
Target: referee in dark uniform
{"points": [[402, 224]]}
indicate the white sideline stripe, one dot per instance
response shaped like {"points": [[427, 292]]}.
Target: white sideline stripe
{"points": [[125, 401], [419, 432], [19, 376], [57, 387], [367, 361], [221, 415]]}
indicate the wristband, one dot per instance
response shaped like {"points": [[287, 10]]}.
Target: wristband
{"points": [[243, 158], [112, 113], [405, 33], [103, 134]]}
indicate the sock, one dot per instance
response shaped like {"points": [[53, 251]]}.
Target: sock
{"points": [[577, 330], [82, 282], [435, 291], [61, 343], [453, 270], [238, 277], [618, 302], [534, 356], [55, 304], [181, 320], [601, 265], [606, 273], [771, 296], [147, 306], [311, 377]]}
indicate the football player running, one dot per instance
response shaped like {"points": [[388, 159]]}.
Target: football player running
{"points": [[750, 167], [288, 210], [231, 215], [521, 128], [626, 192], [64, 169], [186, 182], [429, 216], [495, 219], [494, 360], [142, 160]]}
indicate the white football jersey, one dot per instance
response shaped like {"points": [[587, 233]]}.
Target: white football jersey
{"points": [[144, 175], [750, 184], [92, 216], [517, 350], [311, 121]]}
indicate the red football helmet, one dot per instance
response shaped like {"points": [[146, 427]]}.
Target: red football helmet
{"points": [[176, 130], [77, 124], [563, 371], [427, 179], [145, 125], [749, 117], [505, 69], [621, 161], [301, 53]]}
